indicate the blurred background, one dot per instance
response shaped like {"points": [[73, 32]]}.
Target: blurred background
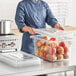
{"points": [[64, 10]]}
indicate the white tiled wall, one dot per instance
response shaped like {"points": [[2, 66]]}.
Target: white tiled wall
{"points": [[8, 8], [71, 20], [60, 9]]}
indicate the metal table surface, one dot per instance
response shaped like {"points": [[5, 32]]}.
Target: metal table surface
{"points": [[44, 68]]}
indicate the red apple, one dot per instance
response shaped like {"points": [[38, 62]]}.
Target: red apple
{"points": [[53, 39], [63, 44], [52, 57], [66, 55], [59, 57], [60, 50], [47, 56], [46, 37], [49, 44], [66, 49], [45, 48], [45, 44], [42, 48], [44, 54], [39, 43], [54, 44], [52, 51]]}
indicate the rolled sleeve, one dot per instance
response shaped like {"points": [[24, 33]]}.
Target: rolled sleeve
{"points": [[20, 16], [50, 18]]}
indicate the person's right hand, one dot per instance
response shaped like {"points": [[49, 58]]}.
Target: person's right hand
{"points": [[29, 29]]}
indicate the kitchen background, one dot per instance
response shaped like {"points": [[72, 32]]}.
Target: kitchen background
{"points": [[65, 10]]}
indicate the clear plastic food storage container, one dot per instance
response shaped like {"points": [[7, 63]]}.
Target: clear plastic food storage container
{"points": [[52, 48], [19, 59]]}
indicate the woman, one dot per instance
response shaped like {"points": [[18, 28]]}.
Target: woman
{"points": [[31, 14]]}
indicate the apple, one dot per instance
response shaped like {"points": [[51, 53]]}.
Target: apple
{"points": [[66, 55], [66, 49], [54, 44], [40, 54], [60, 50], [39, 43], [63, 44], [52, 51], [43, 48], [44, 54], [49, 49], [37, 52], [47, 56], [52, 57], [59, 57], [52, 39], [46, 37], [45, 44], [49, 44]]}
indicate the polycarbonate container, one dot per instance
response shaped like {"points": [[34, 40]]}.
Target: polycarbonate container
{"points": [[19, 59], [52, 48]]}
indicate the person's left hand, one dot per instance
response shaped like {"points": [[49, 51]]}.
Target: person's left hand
{"points": [[57, 26]]}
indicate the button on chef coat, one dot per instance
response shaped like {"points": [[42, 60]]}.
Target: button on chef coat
{"points": [[34, 14]]}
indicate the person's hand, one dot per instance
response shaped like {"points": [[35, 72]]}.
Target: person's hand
{"points": [[29, 29], [57, 26]]}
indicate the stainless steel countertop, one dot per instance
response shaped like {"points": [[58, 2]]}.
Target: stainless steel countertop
{"points": [[44, 68]]}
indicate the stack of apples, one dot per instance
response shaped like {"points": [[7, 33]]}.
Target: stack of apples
{"points": [[52, 49]]}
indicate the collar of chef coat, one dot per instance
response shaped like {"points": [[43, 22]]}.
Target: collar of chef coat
{"points": [[34, 0]]}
